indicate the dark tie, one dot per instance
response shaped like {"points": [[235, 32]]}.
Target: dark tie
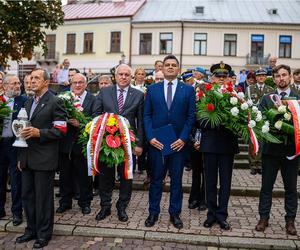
{"points": [[283, 94], [260, 89], [169, 95], [120, 100]]}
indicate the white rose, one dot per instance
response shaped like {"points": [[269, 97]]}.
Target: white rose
{"points": [[252, 124], [244, 106], [267, 123], [282, 109], [258, 117], [233, 100], [287, 116], [234, 111], [278, 125], [241, 95], [254, 109], [265, 129], [250, 103]]}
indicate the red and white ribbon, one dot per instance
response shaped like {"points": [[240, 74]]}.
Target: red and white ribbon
{"points": [[253, 139], [61, 126], [294, 107]]}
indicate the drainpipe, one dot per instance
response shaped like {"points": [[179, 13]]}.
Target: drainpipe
{"points": [[181, 46], [130, 43]]}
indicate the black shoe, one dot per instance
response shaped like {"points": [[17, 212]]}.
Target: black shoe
{"points": [[122, 215], [193, 204], [104, 212], [259, 171], [202, 207], [58, 195], [17, 220], [253, 171], [40, 243], [176, 221], [2, 214], [150, 221], [76, 197], [62, 209], [86, 210], [25, 238], [188, 169], [224, 225], [209, 222]]}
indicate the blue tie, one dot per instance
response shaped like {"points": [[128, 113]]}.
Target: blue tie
{"points": [[169, 95]]}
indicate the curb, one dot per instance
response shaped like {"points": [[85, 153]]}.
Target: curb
{"points": [[200, 240]]}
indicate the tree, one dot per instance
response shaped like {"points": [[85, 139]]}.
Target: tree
{"points": [[23, 25]]}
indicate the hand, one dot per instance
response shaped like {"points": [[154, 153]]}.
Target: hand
{"points": [[19, 166], [155, 143], [138, 151], [66, 83], [197, 145], [74, 122], [30, 132], [177, 145]]}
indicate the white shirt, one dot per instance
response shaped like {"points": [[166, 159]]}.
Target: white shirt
{"points": [[260, 86], [124, 93], [63, 76], [287, 91], [82, 97], [174, 86]]}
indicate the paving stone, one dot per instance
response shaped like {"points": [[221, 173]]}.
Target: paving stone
{"points": [[19, 229], [256, 243], [3, 224], [63, 229]]}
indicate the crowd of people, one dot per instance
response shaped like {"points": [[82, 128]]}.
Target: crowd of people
{"points": [[154, 105]]}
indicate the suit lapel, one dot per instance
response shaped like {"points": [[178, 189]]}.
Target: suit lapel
{"points": [[28, 105], [162, 93], [114, 98], [177, 93], [128, 99], [86, 101], [42, 103]]}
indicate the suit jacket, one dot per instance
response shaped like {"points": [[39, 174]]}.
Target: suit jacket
{"points": [[273, 148], [181, 114], [91, 109], [132, 109], [42, 152]]}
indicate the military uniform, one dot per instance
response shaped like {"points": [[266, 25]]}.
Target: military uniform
{"points": [[255, 92]]}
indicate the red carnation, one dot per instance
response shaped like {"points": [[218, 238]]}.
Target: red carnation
{"points": [[2, 99], [113, 141], [112, 130], [210, 107], [208, 87], [132, 136], [239, 89], [229, 87]]}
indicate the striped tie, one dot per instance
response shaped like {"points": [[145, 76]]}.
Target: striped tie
{"points": [[120, 100]]}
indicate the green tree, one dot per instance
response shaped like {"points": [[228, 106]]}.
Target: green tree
{"points": [[23, 25]]}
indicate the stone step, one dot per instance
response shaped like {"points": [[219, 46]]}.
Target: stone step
{"points": [[241, 164], [242, 155], [243, 147]]}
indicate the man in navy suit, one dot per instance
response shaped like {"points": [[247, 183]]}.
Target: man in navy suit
{"points": [[168, 102], [8, 153]]}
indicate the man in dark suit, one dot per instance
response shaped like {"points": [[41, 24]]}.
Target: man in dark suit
{"points": [[40, 159], [73, 164], [274, 157], [8, 153], [128, 102], [168, 102], [218, 146]]}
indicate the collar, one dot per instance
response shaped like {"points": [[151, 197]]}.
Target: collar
{"points": [[83, 95], [175, 81], [260, 85], [287, 91], [125, 89]]}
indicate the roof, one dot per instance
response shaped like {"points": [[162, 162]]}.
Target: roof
{"points": [[221, 11], [102, 9]]}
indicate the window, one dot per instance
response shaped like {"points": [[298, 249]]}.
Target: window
{"points": [[71, 41], [115, 42], [285, 46], [166, 43], [200, 43], [88, 42], [50, 42], [145, 43], [230, 44]]}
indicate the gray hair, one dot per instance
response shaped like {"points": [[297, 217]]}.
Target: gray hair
{"points": [[46, 74], [104, 77], [125, 66], [82, 75], [7, 77]]}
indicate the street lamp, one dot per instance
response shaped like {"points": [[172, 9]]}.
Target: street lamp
{"points": [[123, 58]]}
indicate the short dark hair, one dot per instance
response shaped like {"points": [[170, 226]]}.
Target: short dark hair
{"points": [[171, 57], [281, 66], [74, 69], [46, 75], [296, 71], [158, 61]]}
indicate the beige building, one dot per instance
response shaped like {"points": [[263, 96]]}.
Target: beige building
{"points": [[242, 33]]}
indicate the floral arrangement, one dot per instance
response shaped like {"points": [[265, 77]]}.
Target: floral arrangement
{"points": [[4, 111], [73, 107], [108, 139], [221, 105], [149, 80]]}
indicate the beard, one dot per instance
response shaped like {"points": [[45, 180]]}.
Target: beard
{"points": [[29, 93], [13, 93]]}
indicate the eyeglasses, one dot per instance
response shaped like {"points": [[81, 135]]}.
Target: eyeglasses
{"points": [[78, 83]]}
